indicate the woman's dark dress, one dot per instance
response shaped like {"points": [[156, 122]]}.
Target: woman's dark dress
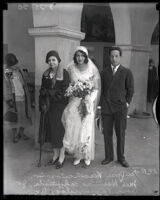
{"points": [[51, 129]]}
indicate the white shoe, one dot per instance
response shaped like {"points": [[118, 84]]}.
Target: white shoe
{"points": [[87, 162], [76, 161]]}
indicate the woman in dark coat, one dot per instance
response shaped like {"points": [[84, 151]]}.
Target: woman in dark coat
{"points": [[52, 102], [152, 82]]}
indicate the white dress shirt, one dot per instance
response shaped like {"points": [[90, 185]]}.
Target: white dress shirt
{"points": [[114, 69]]}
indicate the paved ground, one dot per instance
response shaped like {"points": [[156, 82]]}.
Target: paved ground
{"points": [[22, 176]]}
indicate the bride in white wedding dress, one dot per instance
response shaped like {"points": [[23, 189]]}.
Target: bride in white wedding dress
{"points": [[79, 138]]}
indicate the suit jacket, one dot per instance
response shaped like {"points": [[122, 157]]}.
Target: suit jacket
{"points": [[117, 89]]}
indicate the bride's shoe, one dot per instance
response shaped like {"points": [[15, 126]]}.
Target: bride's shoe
{"points": [[76, 161], [87, 162]]}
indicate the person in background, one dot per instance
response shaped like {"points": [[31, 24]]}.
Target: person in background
{"points": [[16, 96], [152, 91], [117, 91], [52, 102]]}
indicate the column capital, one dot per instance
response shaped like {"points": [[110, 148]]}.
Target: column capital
{"points": [[56, 31]]}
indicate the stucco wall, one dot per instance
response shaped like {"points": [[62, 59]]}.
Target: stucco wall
{"points": [[15, 34], [144, 18]]}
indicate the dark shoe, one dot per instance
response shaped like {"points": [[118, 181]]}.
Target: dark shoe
{"points": [[21, 133], [124, 163], [24, 136], [105, 162], [51, 162], [15, 139], [59, 165]]}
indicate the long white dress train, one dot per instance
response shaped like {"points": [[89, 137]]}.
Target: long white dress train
{"points": [[79, 137]]}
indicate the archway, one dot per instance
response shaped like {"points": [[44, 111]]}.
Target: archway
{"points": [[97, 23], [152, 82]]}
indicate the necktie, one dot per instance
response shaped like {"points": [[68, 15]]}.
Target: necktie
{"points": [[114, 70]]}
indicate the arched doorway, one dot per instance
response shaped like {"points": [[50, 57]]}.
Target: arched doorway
{"points": [[152, 83], [97, 23]]}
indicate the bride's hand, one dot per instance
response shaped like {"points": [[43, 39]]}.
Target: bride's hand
{"points": [[87, 98]]}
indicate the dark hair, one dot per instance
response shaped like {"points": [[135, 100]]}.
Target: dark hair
{"points": [[53, 53], [11, 59], [151, 61], [84, 54], [115, 48]]}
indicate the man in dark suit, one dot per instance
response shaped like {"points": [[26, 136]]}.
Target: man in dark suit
{"points": [[116, 95]]}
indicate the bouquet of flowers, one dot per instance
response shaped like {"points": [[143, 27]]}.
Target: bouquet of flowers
{"points": [[80, 89]]}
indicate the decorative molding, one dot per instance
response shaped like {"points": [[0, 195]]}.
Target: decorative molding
{"points": [[129, 47], [56, 31]]}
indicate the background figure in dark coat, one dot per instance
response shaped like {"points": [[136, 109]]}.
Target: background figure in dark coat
{"points": [[52, 102], [116, 95], [152, 91]]}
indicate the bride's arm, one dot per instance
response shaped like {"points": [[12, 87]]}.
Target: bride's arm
{"points": [[97, 91], [94, 97]]}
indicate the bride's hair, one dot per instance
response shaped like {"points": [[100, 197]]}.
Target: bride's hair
{"points": [[84, 54]]}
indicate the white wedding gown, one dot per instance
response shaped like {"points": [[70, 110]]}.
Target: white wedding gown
{"points": [[79, 138]]}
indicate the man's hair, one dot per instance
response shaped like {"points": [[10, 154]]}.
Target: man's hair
{"points": [[115, 48]]}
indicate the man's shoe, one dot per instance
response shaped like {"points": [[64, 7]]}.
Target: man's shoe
{"points": [[105, 162], [124, 163]]}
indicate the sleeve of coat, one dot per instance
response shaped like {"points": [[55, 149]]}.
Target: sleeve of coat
{"points": [[65, 82], [42, 96], [129, 86], [101, 74]]}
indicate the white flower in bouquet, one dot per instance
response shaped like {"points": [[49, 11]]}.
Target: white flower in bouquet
{"points": [[80, 89]]}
